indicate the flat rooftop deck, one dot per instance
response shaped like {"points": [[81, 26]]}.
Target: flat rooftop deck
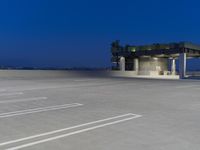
{"points": [[83, 113]]}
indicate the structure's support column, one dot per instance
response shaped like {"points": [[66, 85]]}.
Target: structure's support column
{"points": [[173, 66], [136, 65], [182, 65], [122, 64]]}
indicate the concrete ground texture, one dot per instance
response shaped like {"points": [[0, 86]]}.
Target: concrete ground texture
{"points": [[99, 113]]}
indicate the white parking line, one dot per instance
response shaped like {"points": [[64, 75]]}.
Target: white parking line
{"points": [[37, 110], [35, 88], [23, 100], [41, 88], [2, 90], [102, 123], [10, 94]]}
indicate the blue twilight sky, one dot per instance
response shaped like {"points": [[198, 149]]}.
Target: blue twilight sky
{"points": [[78, 33]]}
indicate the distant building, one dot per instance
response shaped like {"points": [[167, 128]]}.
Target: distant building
{"points": [[155, 59]]}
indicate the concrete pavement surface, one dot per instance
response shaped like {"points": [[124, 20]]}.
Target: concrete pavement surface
{"points": [[99, 113]]}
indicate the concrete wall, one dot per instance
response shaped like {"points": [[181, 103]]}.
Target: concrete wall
{"points": [[150, 73], [48, 74], [152, 66], [122, 73], [44, 74]]}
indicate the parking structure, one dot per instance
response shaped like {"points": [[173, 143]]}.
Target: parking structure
{"points": [[90, 113]]}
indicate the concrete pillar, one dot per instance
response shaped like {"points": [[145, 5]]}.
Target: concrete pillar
{"points": [[173, 66], [122, 64], [182, 65], [136, 65]]}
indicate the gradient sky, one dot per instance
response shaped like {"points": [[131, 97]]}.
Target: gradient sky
{"points": [[78, 33]]}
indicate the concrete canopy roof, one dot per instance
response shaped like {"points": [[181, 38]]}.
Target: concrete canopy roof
{"points": [[158, 50]]}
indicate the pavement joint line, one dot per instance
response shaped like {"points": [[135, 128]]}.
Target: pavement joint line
{"points": [[73, 86], [13, 93], [120, 119], [187, 86], [85, 80], [37, 110], [23, 100]]}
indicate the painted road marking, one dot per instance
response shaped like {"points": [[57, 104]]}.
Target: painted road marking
{"points": [[36, 88], [37, 110], [23, 100], [95, 125], [3, 90], [43, 88], [10, 94]]}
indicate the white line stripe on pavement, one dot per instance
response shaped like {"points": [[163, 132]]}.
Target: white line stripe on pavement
{"points": [[103, 123], [23, 100], [37, 110], [2, 90], [10, 94]]}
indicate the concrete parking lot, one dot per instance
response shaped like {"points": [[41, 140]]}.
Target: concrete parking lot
{"points": [[99, 113]]}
